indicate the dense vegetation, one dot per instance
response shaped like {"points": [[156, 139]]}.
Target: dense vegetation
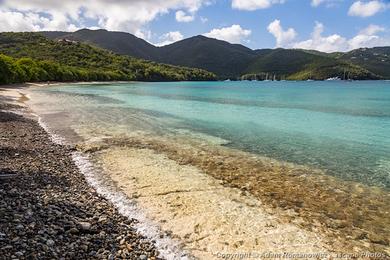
{"points": [[376, 60], [222, 58], [118, 42], [33, 57], [29, 70], [72, 54], [236, 61], [301, 65]]}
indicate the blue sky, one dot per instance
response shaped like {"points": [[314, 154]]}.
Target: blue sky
{"points": [[326, 25]]}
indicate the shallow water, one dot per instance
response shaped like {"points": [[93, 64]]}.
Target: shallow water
{"points": [[342, 128], [314, 153]]}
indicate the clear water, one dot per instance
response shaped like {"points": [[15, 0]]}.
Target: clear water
{"points": [[340, 127]]}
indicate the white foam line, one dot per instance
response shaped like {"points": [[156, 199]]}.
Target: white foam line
{"points": [[53, 136], [168, 248]]}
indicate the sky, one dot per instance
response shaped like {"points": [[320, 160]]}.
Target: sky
{"points": [[324, 25]]}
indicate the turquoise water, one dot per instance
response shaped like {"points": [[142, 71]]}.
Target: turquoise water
{"points": [[340, 127]]}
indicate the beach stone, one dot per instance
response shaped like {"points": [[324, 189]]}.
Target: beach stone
{"points": [[102, 219], [129, 247], [92, 253], [49, 211], [85, 226], [19, 227]]}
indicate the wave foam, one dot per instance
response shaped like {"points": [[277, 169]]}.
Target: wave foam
{"points": [[168, 248], [55, 138]]}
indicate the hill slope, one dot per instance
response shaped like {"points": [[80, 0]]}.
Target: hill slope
{"points": [[118, 42], [234, 60], [220, 57], [80, 62], [376, 60], [302, 65], [52, 35], [224, 59]]}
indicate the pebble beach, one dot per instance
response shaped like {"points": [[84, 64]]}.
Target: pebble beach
{"points": [[47, 209]]}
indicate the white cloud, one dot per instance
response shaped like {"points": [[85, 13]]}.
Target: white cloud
{"points": [[283, 38], [367, 37], [30, 21], [204, 19], [317, 2], [372, 29], [366, 9], [170, 37], [329, 3], [143, 34], [183, 17], [19, 21], [251, 5], [118, 15], [318, 42], [232, 34]]}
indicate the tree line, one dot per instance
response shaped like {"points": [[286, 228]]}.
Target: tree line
{"points": [[28, 57]]}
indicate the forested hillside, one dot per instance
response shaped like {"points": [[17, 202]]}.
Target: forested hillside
{"points": [[301, 65], [235, 61], [376, 60], [33, 57], [118, 42]]}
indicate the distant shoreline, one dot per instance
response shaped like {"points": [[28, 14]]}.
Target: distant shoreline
{"points": [[56, 83]]}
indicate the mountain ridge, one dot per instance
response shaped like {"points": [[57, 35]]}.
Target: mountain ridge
{"points": [[31, 57], [235, 61]]}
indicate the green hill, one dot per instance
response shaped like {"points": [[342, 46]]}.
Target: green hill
{"points": [[118, 42], [376, 60], [302, 65], [220, 57], [33, 57], [236, 61]]}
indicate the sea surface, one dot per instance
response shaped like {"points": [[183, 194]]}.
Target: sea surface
{"points": [[227, 166], [341, 128]]}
